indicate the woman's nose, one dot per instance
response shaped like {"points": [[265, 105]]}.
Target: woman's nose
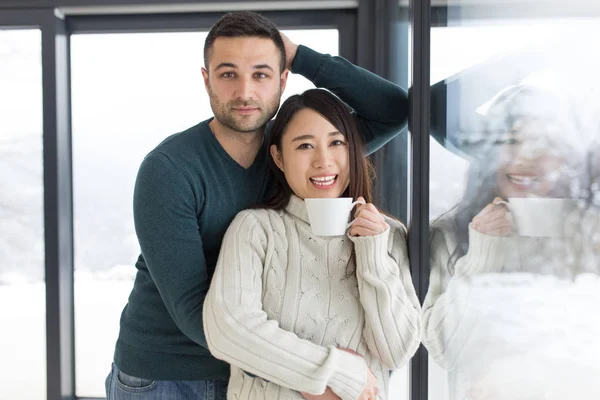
{"points": [[323, 159], [533, 149]]}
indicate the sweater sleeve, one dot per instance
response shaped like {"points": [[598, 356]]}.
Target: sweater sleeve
{"points": [[166, 225], [380, 106], [239, 332], [392, 310], [446, 319]]}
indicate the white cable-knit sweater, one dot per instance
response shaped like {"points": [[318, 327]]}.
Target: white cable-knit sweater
{"points": [[283, 300], [484, 320]]}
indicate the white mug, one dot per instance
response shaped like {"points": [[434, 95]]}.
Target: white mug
{"points": [[329, 216], [538, 216]]}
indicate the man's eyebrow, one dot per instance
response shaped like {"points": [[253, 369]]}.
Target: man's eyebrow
{"points": [[304, 137], [264, 66], [225, 65], [232, 65]]}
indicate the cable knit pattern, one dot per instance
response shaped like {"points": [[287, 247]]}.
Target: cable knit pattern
{"points": [[282, 301], [450, 316]]}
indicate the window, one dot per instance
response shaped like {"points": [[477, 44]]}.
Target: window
{"points": [[129, 92], [22, 286], [505, 314]]}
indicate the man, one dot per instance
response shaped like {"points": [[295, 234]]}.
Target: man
{"points": [[191, 186]]}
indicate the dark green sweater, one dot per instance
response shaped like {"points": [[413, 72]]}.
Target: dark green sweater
{"points": [[187, 191]]}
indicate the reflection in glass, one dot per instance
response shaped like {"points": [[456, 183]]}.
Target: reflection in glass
{"points": [[130, 91], [515, 265], [22, 286]]}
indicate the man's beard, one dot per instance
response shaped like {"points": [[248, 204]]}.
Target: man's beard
{"points": [[225, 115]]}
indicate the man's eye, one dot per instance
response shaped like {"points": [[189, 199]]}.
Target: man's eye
{"points": [[228, 75], [260, 75]]}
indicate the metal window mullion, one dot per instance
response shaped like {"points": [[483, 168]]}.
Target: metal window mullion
{"points": [[346, 22], [58, 208], [304, 19], [420, 22]]}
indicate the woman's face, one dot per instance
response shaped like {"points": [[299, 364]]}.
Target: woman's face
{"points": [[529, 162], [314, 156]]}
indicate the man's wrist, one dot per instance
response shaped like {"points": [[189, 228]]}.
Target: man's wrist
{"points": [[293, 50]]}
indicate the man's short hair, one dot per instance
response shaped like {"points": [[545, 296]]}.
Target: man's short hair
{"points": [[244, 24]]}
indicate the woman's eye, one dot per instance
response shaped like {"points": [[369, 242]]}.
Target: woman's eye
{"points": [[507, 141], [338, 143], [305, 146]]}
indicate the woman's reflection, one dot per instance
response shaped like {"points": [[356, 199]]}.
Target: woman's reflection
{"points": [[497, 256]]}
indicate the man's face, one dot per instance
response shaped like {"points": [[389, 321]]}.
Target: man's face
{"points": [[244, 82]]}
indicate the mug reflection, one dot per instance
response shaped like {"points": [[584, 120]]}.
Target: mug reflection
{"points": [[511, 294]]}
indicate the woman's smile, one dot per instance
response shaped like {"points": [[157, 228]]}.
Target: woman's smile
{"points": [[323, 181]]}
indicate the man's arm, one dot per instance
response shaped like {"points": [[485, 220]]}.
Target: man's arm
{"points": [[381, 106], [167, 228]]}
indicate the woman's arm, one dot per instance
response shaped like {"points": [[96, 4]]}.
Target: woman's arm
{"points": [[239, 332], [446, 320], [392, 310]]}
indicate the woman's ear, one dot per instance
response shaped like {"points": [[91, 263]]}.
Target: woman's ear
{"points": [[276, 154]]}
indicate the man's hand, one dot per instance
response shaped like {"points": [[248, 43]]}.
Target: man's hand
{"points": [[370, 391], [290, 51], [327, 395]]}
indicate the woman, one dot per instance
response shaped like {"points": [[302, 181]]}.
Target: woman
{"points": [[475, 324], [299, 315]]}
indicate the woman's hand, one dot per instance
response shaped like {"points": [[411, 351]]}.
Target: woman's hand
{"points": [[494, 220], [369, 221]]}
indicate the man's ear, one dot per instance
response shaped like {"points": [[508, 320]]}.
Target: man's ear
{"points": [[205, 77], [277, 157], [283, 79]]}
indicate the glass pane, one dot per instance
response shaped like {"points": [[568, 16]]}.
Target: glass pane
{"points": [[22, 286], [515, 207], [129, 92]]}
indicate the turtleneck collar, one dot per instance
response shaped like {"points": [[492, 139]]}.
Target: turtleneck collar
{"points": [[297, 207]]}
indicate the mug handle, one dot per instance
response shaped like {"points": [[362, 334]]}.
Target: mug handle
{"points": [[352, 206], [503, 203]]}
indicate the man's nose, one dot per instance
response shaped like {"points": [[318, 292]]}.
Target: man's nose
{"points": [[244, 88]]}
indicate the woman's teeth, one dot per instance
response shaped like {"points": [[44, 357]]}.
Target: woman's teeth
{"points": [[324, 180], [522, 179]]}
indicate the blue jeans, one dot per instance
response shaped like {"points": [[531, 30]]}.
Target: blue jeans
{"points": [[120, 386]]}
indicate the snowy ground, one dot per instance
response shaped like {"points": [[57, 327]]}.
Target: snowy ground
{"points": [[98, 306], [523, 337], [554, 320]]}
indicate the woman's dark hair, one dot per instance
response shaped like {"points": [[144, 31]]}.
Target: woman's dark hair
{"points": [[338, 114], [244, 24], [516, 104]]}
